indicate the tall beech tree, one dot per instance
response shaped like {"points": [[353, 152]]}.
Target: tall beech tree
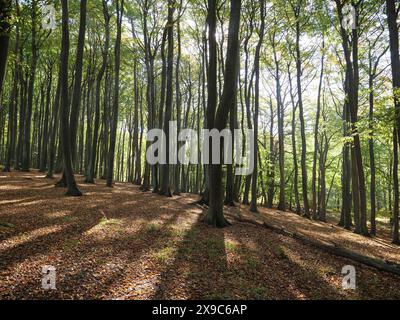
{"points": [[297, 7], [165, 183], [90, 175], [77, 89], [215, 215], [12, 114], [72, 189], [392, 16], [253, 205], [115, 109], [351, 54], [5, 28]]}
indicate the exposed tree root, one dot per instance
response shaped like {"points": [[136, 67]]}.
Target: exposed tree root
{"points": [[74, 193], [89, 181]]}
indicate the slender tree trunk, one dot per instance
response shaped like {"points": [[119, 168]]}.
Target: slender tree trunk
{"points": [[352, 76], [294, 148], [346, 169], [372, 157], [215, 215], [211, 70], [253, 204], [396, 239], [13, 103], [322, 179], [177, 173], [229, 194], [136, 144], [138, 169], [281, 116], [272, 158], [53, 134], [163, 88], [76, 95], [43, 158], [392, 15], [26, 150], [5, 28], [114, 121], [149, 62], [316, 132], [93, 150], [301, 116], [165, 183], [65, 127]]}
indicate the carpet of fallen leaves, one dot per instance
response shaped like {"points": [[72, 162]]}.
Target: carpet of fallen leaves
{"points": [[377, 247], [121, 243]]}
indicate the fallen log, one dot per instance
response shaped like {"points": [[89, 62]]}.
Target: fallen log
{"points": [[333, 248]]}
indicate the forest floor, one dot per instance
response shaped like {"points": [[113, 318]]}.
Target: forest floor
{"points": [[121, 243]]}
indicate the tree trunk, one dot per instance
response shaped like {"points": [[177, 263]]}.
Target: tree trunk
{"points": [[253, 204], [26, 151], [396, 239], [165, 183], [372, 157], [13, 103], [53, 134], [392, 15], [294, 148], [316, 145], [76, 95], [301, 116], [215, 215], [93, 150], [114, 120], [136, 144], [65, 128], [281, 116], [352, 76], [43, 158], [272, 158], [5, 28], [177, 173]]}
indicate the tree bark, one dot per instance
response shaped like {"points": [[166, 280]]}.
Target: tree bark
{"points": [[177, 171], [76, 95], [352, 76], [72, 189], [316, 129], [301, 114], [395, 222], [280, 116], [215, 215], [294, 148], [13, 104], [114, 120], [43, 158], [5, 28], [392, 15], [93, 150], [26, 150], [253, 204], [165, 183]]}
